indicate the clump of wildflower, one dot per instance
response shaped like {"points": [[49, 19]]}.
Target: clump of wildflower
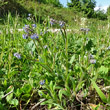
{"points": [[30, 32], [25, 36], [34, 36], [42, 82], [17, 55]]}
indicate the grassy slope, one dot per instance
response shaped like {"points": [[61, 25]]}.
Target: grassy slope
{"points": [[25, 74], [42, 11]]}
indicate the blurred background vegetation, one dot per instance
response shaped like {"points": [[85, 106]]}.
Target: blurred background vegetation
{"points": [[53, 8]]}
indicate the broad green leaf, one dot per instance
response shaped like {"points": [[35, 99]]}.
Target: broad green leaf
{"points": [[14, 102], [31, 46], [18, 92], [9, 97], [100, 93], [49, 101], [51, 85]]}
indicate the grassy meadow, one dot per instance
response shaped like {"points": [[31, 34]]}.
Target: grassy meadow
{"points": [[45, 70]]}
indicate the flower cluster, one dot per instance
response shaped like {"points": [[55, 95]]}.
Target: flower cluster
{"points": [[61, 23], [52, 21], [92, 59], [30, 32], [85, 30], [29, 17]]}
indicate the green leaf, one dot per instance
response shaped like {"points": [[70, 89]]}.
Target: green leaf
{"points": [[61, 92], [100, 93], [1, 94], [72, 59], [9, 97], [45, 67], [30, 46], [25, 97], [14, 102], [103, 70], [2, 107], [18, 92], [26, 88], [51, 85]]}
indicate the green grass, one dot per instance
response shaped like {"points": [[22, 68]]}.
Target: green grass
{"points": [[64, 64]]}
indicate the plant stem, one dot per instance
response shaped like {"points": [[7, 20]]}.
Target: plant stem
{"points": [[66, 51]]}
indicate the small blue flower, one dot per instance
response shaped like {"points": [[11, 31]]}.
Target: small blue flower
{"points": [[108, 48], [41, 33], [91, 56], [29, 18], [92, 61], [26, 28], [45, 46], [56, 74], [25, 36], [61, 23], [29, 14], [46, 32], [42, 82], [52, 23], [34, 36], [34, 25], [87, 39], [17, 55]]}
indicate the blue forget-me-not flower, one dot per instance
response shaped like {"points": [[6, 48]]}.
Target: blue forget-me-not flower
{"points": [[34, 25], [25, 36], [34, 36], [42, 82], [17, 55]]}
